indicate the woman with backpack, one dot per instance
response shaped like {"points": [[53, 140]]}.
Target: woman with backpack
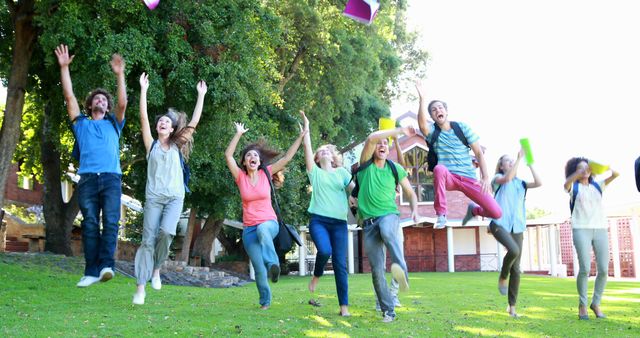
{"points": [[510, 192], [328, 209], [253, 178], [165, 188], [590, 230]]}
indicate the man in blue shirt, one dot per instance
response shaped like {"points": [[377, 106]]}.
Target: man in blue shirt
{"points": [[100, 185]]}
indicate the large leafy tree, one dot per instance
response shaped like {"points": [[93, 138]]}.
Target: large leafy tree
{"points": [[263, 61]]}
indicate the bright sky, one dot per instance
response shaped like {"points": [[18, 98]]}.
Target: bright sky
{"points": [[563, 73]]}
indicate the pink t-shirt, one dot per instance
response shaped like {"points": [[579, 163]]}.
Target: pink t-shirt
{"points": [[256, 201]]}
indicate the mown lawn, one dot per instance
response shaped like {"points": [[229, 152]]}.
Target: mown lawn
{"points": [[40, 300]]}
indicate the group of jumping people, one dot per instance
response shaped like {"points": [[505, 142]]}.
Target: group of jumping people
{"points": [[372, 190]]}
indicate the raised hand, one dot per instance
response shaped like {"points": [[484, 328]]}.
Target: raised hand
{"points": [[117, 64], [201, 87], [62, 53], [144, 81], [305, 120], [419, 88], [240, 129], [409, 131]]}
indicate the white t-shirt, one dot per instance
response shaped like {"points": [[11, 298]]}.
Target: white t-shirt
{"points": [[588, 212]]}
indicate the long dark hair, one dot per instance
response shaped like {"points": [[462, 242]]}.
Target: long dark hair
{"points": [[265, 153], [572, 166]]}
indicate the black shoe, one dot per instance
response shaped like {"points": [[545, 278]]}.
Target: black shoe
{"points": [[274, 272]]}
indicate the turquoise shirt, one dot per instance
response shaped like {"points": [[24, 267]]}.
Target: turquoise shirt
{"points": [[510, 197], [328, 195], [452, 153]]}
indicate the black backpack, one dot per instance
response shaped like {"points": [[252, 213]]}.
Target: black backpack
{"points": [[365, 165], [432, 157], [186, 171], [75, 153]]}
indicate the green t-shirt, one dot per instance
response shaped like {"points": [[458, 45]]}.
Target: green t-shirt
{"points": [[328, 197], [377, 195]]}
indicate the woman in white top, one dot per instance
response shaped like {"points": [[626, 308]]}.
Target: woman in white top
{"points": [[590, 229], [165, 187]]}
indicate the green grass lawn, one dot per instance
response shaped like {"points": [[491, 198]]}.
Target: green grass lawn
{"points": [[37, 300]]}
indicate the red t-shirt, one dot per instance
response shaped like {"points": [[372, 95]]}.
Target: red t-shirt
{"points": [[256, 200]]}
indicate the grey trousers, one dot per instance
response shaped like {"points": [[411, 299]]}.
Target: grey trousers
{"points": [[584, 240], [161, 216], [511, 262]]}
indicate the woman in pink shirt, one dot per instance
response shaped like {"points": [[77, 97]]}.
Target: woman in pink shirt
{"points": [[258, 217]]}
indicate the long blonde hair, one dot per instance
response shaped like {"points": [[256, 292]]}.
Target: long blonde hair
{"points": [[335, 155]]}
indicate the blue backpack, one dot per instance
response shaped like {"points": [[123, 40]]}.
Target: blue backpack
{"points": [[186, 171], [574, 192]]}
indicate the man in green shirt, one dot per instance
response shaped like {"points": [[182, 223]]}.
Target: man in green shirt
{"points": [[377, 207]]}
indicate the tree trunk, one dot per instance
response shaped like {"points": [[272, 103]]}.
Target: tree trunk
{"points": [[186, 242], [230, 245], [25, 36], [204, 241], [58, 216]]}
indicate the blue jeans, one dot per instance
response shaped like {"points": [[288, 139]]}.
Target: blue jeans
{"points": [[258, 242], [330, 236], [99, 194], [378, 233]]}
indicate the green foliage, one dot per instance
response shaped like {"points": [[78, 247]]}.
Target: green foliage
{"points": [[29, 215], [263, 61], [133, 226]]}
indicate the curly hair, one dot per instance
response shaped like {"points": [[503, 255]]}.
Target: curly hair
{"points": [[335, 155], [180, 136], [265, 153], [89, 100], [572, 166]]}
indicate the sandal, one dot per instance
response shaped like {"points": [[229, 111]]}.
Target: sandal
{"points": [[314, 303]]}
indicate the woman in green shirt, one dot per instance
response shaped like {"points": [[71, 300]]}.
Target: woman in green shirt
{"points": [[328, 209]]}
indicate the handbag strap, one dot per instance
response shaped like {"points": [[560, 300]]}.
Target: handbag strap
{"points": [[276, 205]]}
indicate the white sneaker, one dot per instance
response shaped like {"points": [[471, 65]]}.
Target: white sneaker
{"points": [[86, 281], [387, 318], [106, 274], [441, 223], [138, 298], [156, 283], [398, 274]]}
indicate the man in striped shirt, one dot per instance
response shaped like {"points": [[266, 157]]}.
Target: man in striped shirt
{"points": [[455, 170]]}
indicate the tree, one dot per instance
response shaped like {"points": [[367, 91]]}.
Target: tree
{"points": [[263, 62], [18, 28]]}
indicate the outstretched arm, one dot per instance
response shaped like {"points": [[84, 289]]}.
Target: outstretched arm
{"points": [[201, 87], [288, 156], [396, 144], [613, 176], [64, 60], [485, 180], [406, 187], [308, 150], [231, 148], [423, 123], [373, 138], [509, 175], [572, 178], [147, 139], [117, 65], [536, 179]]}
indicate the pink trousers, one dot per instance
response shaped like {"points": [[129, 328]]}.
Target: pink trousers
{"points": [[443, 181]]}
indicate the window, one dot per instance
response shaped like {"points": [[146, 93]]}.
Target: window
{"points": [[421, 180], [25, 182]]}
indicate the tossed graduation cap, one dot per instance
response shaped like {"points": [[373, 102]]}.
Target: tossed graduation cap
{"points": [[362, 10], [151, 4]]}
